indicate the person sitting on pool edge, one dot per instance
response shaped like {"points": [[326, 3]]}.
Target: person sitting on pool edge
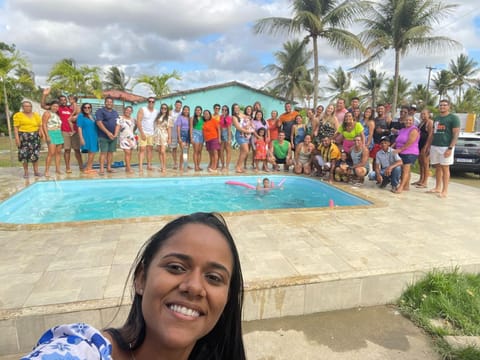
{"points": [[187, 303], [282, 152]]}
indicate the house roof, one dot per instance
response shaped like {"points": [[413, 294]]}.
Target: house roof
{"points": [[219, 86], [123, 95]]}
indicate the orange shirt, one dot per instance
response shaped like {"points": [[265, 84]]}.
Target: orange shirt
{"points": [[210, 129]]}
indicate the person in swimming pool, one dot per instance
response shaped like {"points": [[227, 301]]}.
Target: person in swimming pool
{"points": [[187, 302], [264, 184]]}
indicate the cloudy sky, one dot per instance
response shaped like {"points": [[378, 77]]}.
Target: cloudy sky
{"points": [[206, 41]]}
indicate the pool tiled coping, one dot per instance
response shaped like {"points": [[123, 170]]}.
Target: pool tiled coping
{"points": [[294, 262]]}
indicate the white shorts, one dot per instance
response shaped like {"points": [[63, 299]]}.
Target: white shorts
{"points": [[437, 155]]}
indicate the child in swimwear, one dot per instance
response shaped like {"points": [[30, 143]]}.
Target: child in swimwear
{"points": [[264, 184], [261, 149]]}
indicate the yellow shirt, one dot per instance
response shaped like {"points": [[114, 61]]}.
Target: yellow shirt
{"points": [[25, 123], [329, 153]]}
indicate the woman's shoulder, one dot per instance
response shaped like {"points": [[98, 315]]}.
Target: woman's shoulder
{"points": [[72, 341]]}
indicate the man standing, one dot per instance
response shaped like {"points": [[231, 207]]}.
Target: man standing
{"points": [[71, 139], [354, 104], [108, 129], [174, 143], [340, 110], [146, 126], [287, 120], [446, 128], [388, 166]]}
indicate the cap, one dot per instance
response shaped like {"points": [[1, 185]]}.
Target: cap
{"points": [[413, 106], [385, 138]]}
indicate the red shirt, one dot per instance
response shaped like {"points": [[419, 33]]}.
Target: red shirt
{"points": [[64, 113]]}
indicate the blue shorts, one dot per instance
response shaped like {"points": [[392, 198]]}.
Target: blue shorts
{"points": [[408, 158], [240, 138], [184, 135], [197, 136], [224, 135]]}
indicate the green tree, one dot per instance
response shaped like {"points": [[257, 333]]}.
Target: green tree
{"points": [[401, 25], [292, 77], [371, 85], [442, 82], [463, 71], [67, 77], [420, 95], [158, 83], [403, 86], [115, 79], [319, 19], [16, 83], [339, 82], [470, 102]]}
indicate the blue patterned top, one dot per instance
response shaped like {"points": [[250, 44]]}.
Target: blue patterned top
{"points": [[72, 342]]}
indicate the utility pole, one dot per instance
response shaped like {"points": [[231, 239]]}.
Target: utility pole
{"points": [[429, 68]]}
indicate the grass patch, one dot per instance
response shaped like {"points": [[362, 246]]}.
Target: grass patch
{"points": [[446, 303]]}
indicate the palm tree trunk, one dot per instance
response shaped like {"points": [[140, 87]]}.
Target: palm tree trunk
{"points": [[395, 82], [7, 117], [315, 72]]}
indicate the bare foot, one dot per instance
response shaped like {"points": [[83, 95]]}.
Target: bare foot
{"points": [[442, 195]]}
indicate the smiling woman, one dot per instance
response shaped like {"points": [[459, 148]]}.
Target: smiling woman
{"points": [[188, 295]]}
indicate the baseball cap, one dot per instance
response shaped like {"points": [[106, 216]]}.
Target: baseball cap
{"points": [[385, 138], [413, 106]]}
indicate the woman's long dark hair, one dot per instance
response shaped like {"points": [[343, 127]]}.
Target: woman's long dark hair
{"points": [[224, 341], [82, 109], [160, 117]]}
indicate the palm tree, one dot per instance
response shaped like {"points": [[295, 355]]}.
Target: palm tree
{"points": [[115, 79], [403, 86], [442, 82], [15, 78], [320, 19], [463, 70], [419, 94], [371, 85], [401, 25], [292, 77], [158, 83], [339, 82], [70, 78]]}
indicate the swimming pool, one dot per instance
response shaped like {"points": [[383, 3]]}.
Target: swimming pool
{"points": [[83, 200]]}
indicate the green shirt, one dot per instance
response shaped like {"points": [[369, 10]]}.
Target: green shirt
{"points": [[199, 124], [442, 129], [280, 151]]}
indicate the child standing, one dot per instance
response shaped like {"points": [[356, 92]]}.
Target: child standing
{"points": [[261, 149]]}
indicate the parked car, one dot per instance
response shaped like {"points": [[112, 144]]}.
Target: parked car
{"points": [[467, 153]]}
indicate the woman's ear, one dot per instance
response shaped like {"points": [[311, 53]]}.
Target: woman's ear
{"points": [[140, 281]]}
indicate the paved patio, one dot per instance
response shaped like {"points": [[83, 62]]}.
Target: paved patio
{"points": [[294, 262]]}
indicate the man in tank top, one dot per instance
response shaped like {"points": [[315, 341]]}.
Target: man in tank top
{"points": [[145, 123]]}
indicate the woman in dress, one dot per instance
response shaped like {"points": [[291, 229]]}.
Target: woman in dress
{"points": [[51, 124], [162, 135], [243, 133], [187, 303], [27, 128], [88, 135], [426, 132], [273, 126], [327, 126], [128, 143], [196, 136], [182, 124], [226, 138], [303, 156], [368, 123]]}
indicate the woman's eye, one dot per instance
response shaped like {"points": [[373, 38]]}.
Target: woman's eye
{"points": [[215, 279], [175, 268]]}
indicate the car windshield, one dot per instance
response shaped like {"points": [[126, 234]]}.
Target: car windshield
{"points": [[468, 142]]}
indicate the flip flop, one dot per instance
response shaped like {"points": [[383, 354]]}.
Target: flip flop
{"points": [[68, 171], [111, 171], [420, 186]]}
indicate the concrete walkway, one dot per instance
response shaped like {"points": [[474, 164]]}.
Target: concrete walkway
{"points": [[294, 262]]}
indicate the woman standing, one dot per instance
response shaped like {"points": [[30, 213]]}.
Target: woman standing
{"points": [[426, 133], [211, 134], [243, 133], [273, 126], [299, 130], [88, 134], [348, 130], [368, 123], [226, 138], [27, 127], [182, 124], [196, 136], [162, 135], [327, 126], [51, 124], [406, 146], [128, 143]]}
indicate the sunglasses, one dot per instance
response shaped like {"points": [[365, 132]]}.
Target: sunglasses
{"points": [[87, 107], [163, 108], [151, 101]]}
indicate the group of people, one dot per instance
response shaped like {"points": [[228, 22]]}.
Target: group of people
{"points": [[335, 142]]}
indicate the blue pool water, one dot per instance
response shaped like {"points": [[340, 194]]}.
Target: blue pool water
{"points": [[81, 200]]}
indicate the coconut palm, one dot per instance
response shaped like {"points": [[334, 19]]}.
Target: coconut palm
{"points": [[442, 82], [463, 70], [371, 85], [292, 76], [402, 25], [115, 79], [403, 86], [319, 19], [158, 83], [339, 82], [70, 78], [420, 95]]}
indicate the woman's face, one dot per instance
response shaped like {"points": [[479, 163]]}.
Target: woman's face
{"points": [[236, 109], [186, 111], [274, 114], [298, 119], [319, 110], [163, 109], [408, 121], [248, 110], [330, 109], [127, 112], [54, 108], [424, 115], [307, 140], [258, 115], [198, 111], [186, 286], [27, 107], [348, 119], [367, 114], [206, 115]]}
